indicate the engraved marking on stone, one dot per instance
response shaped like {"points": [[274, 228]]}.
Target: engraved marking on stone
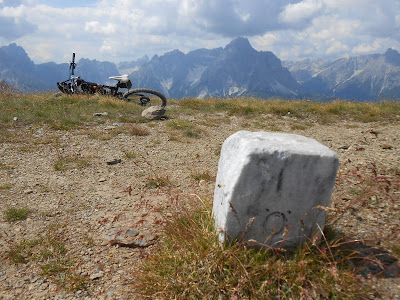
{"points": [[275, 223]]}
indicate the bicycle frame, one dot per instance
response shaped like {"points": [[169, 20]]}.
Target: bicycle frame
{"points": [[76, 85]]}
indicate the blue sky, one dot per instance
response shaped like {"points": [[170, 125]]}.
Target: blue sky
{"points": [[67, 3], [124, 30]]}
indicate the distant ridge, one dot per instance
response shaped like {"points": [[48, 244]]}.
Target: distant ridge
{"points": [[362, 78], [236, 70]]}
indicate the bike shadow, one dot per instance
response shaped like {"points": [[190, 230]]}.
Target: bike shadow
{"points": [[365, 260], [376, 261]]}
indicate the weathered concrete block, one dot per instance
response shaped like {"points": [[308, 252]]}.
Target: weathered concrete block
{"points": [[270, 188]]}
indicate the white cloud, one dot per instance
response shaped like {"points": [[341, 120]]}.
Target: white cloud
{"points": [[13, 23], [366, 48], [301, 12], [97, 28], [128, 29]]}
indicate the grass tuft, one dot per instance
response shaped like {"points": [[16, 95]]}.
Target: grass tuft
{"points": [[67, 163], [202, 176], [16, 214], [180, 124], [5, 186], [130, 154], [51, 253], [190, 262], [191, 133], [158, 182], [136, 130]]}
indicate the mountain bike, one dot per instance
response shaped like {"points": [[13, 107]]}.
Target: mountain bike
{"points": [[122, 90]]}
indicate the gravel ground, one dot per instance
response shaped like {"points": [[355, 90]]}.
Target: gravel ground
{"points": [[105, 207]]}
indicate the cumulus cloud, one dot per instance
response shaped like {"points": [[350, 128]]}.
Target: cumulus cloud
{"points": [[95, 27], [11, 28], [128, 29], [333, 28], [232, 18], [13, 23], [302, 12]]}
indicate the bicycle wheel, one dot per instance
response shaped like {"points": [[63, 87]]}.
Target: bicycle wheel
{"points": [[146, 97]]}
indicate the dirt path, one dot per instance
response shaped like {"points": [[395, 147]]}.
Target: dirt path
{"points": [[111, 183]]}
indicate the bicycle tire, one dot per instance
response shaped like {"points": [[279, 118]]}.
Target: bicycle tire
{"points": [[140, 92]]}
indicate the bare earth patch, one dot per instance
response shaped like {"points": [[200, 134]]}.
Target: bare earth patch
{"points": [[98, 196]]}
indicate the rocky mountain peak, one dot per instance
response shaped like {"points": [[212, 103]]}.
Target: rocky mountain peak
{"points": [[175, 52], [15, 54], [240, 44], [392, 56]]}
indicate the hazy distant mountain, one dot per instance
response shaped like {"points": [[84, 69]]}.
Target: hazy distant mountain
{"points": [[361, 78], [236, 70], [95, 71], [17, 69], [128, 67]]}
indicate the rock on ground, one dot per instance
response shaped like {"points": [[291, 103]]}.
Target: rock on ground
{"points": [[154, 112]]}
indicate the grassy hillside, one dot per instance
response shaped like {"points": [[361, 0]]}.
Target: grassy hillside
{"points": [[68, 112]]}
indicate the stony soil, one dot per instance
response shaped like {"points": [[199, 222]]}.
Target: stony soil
{"points": [[105, 190]]}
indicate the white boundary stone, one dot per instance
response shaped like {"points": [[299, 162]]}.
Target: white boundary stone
{"points": [[270, 188]]}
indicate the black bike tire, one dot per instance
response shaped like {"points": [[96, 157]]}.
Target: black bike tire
{"points": [[148, 91]]}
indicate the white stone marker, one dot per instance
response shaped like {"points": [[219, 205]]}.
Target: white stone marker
{"points": [[270, 188]]}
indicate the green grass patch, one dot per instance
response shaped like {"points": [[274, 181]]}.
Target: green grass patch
{"points": [[188, 128], [130, 154], [190, 133], [62, 113], [4, 167], [181, 124], [172, 137], [136, 130], [70, 112], [190, 263], [16, 214], [158, 182], [68, 163], [299, 126], [50, 252], [202, 176], [5, 186], [323, 112], [46, 141], [355, 191]]}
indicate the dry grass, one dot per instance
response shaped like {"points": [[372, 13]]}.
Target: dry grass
{"points": [[137, 130], [70, 112], [158, 182], [190, 263], [51, 253], [70, 162], [16, 214], [62, 113], [205, 175], [321, 112]]}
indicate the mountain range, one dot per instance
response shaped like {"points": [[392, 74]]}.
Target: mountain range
{"points": [[236, 70]]}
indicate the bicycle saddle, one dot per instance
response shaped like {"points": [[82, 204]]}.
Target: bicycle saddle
{"points": [[122, 78]]}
